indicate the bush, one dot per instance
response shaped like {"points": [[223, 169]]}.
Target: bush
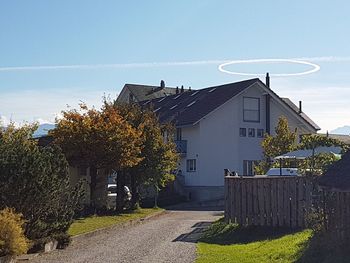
{"points": [[34, 181], [12, 238]]}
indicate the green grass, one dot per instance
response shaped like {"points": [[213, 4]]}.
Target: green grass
{"points": [[88, 224], [230, 243]]}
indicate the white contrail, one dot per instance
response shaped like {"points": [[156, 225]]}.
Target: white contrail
{"points": [[121, 65], [156, 64]]}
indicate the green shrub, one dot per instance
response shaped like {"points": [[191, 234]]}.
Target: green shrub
{"points": [[34, 181], [12, 238]]}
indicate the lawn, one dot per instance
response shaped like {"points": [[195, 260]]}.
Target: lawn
{"points": [[88, 224], [230, 243]]}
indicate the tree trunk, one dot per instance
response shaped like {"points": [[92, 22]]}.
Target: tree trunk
{"points": [[135, 197], [93, 183], [120, 192], [156, 197]]}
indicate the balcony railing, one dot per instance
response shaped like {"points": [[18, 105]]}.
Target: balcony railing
{"points": [[181, 146]]}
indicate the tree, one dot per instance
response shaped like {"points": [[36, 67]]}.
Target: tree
{"points": [[98, 139], [317, 164], [159, 156], [34, 181], [284, 141]]}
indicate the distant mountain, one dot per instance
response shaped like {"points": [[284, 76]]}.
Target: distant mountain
{"points": [[342, 130], [43, 129]]}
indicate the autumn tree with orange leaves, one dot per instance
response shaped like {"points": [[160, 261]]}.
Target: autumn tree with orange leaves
{"points": [[98, 139]]}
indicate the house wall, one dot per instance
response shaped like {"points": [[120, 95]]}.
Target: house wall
{"points": [[75, 176], [216, 144]]}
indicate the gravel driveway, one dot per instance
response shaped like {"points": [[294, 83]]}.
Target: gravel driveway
{"points": [[169, 237]]}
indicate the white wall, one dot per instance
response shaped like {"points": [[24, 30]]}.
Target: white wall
{"points": [[215, 142]]}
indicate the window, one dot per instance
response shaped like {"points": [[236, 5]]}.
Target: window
{"points": [[248, 167], [191, 165], [189, 105], [251, 109], [178, 134], [131, 98], [243, 132], [251, 132], [260, 133]]}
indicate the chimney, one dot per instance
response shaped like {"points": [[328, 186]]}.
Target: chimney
{"points": [[268, 80], [189, 88], [182, 88], [162, 84], [177, 89], [300, 107]]}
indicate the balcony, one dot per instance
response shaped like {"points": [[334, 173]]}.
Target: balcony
{"points": [[181, 147]]}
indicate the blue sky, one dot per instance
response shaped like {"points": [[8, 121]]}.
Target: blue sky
{"points": [[63, 33]]}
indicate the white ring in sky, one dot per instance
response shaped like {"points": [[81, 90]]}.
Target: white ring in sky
{"points": [[274, 60]]}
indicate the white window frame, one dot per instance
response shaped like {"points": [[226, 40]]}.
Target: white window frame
{"points": [[191, 165], [246, 109]]}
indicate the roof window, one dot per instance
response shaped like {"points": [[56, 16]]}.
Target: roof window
{"points": [[212, 90], [161, 99], [157, 109], [176, 97], [173, 107], [194, 93], [189, 105]]}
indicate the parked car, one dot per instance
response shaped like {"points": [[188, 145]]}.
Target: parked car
{"points": [[112, 194], [283, 172]]}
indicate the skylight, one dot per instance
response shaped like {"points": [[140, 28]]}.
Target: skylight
{"points": [[189, 105], [161, 99], [156, 110], [194, 93], [146, 103], [173, 107], [212, 90], [177, 97]]}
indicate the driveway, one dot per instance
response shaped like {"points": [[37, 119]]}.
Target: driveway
{"points": [[170, 237]]}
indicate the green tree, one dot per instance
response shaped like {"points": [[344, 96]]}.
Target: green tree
{"points": [[98, 139], [34, 181], [282, 142], [158, 154], [317, 164]]}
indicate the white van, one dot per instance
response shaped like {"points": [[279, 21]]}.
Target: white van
{"points": [[285, 172]]}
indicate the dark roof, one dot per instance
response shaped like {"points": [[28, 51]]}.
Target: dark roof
{"points": [[338, 175], [302, 114], [341, 137], [190, 106], [145, 92]]}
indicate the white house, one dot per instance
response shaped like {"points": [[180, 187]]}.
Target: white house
{"points": [[222, 127]]}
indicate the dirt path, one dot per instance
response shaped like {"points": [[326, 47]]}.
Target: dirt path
{"points": [[169, 237]]}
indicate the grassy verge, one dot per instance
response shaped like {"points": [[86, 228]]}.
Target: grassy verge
{"points": [[88, 224], [230, 243]]}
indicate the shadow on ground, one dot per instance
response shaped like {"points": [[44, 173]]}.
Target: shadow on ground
{"points": [[227, 234], [195, 234], [324, 249], [216, 205]]}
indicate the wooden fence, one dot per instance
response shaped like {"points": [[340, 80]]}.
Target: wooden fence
{"points": [[337, 213], [268, 201]]}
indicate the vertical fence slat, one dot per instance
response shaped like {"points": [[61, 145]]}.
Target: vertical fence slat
{"points": [[267, 195], [274, 202], [256, 218], [249, 201], [293, 202], [244, 202]]}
